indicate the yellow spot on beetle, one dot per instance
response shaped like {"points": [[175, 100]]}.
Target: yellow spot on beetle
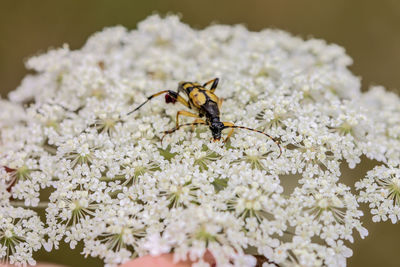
{"points": [[212, 96], [186, 86], [197, 97]]}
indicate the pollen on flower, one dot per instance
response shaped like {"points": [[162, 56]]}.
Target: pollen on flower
{"points": [[115, 189]]}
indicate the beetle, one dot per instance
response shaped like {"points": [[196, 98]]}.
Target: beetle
{"points": [[207, 105]]}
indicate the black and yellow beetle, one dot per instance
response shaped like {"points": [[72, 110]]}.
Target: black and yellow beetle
{"points": [[206, 103]]}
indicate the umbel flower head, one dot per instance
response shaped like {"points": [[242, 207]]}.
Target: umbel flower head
{"points": [[122, 194]]}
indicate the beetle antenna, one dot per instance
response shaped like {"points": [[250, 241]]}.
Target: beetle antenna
{"points": [[254, 130]]}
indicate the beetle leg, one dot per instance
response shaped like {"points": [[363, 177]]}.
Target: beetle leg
{"points": [[184, 113], [220, 100], [148, 99], [179, 126], [193, 126], [228, 124], [171, 93], [214, 84], [183, 101], [198, 121]]}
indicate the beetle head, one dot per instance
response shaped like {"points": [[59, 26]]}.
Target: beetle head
{"points": [[216, 127]]}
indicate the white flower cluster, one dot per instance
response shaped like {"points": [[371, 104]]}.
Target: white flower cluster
{"points": [[114, 187], [21, 231], [381, 188]]}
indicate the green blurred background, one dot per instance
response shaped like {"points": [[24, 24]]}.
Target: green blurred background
{"points": [[368, 29]]}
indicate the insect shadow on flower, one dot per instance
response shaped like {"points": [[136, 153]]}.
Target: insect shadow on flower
{"points": [[207, 104]]}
